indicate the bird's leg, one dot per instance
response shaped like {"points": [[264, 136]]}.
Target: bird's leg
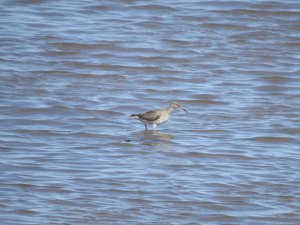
{"points": [[145, 127], [154, 126]]}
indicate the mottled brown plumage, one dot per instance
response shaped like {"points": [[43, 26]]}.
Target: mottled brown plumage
{"points": [[158, 116]]}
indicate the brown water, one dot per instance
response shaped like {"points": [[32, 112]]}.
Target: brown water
{"points": [[73, 71]]}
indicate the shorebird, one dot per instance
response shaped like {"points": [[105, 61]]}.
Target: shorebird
{"points": [[157, 116]]}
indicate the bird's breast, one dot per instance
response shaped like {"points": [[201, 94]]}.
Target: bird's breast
{"points": [[162, 119]]}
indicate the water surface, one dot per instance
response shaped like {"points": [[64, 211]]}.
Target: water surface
{"points": [[72, 73]]}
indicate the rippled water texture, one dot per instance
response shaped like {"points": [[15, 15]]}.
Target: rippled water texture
{"points": [[73, 71]]}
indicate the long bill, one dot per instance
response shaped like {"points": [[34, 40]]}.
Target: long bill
{"points": [[183, 110]]}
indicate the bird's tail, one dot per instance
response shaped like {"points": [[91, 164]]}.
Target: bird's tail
{"points": [[135, 116]]}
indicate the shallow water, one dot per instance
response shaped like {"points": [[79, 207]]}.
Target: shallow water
{"points": [[71, 74]]}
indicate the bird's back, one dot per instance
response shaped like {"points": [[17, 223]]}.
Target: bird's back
{"points": [[152, 115]]}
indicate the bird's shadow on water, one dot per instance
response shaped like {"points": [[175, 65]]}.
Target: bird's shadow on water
{"points": [[150, 138]]}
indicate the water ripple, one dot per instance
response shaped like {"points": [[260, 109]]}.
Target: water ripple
{"points": [[72, 74]]}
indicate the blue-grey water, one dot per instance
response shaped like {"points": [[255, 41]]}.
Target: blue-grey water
{"points": [[72, 72]]}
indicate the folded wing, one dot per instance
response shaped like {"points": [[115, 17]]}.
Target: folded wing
{"points": [[151, 115]]}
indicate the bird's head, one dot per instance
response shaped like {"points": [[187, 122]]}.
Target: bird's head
{"points": [[176, 105]]}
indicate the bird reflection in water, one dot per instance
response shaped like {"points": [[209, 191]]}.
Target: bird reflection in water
{"points": [[153, 138]]}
